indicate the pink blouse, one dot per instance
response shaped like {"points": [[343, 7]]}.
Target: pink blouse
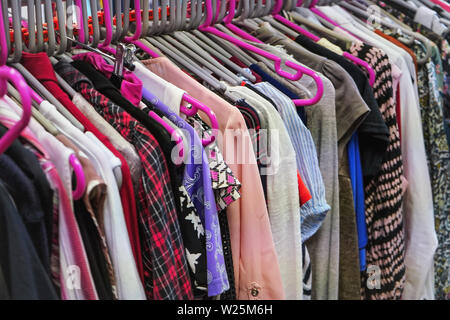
{"points": [[256, 268]]}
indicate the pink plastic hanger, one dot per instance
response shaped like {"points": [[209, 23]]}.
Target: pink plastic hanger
{"points": [[81, 35], [80, 178], [207, 27], [12, 75], [363, 64], [22, 87], [196, 105], [347, 55], [228, 21], [443, 5], [26, 105], [133, 39]]}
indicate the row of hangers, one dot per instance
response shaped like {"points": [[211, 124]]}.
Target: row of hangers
{"points": [[180, 29]]}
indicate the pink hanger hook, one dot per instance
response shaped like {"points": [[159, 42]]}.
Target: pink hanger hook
{"points": [[12, 75], [196, 105], [347, 55], [216, 17], [3, 44], [108, 25], [137, 33], [173, 133], [80, 178], [228, 21], [206, 27], [79, 6], [364, 64], [278, 6], [135, 38]]}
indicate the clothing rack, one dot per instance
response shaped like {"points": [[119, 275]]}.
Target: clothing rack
{"points": [[240, 153]]}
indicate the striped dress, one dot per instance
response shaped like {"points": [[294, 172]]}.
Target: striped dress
{"points": [[385, 274]]}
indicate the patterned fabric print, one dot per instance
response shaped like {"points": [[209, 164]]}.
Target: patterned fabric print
{"points": [[439, 167], [230, 294], [166, 274], [307, 273], [195, 255], [445, 55], [443, 68], [197, 181], [384, 218], [225, 185]]}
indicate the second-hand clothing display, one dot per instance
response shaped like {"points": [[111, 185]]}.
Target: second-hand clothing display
{"points": [[300, 155]]}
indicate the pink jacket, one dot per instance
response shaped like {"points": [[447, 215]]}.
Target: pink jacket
{"points": [[256, 268]]}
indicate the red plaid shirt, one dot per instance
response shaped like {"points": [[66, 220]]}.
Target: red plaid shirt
{"points": [[166, 274]]}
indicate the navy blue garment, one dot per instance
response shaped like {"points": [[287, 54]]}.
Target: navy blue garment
{"points": [[30, 166], [22, 270], [266, 77], [26, 198]]}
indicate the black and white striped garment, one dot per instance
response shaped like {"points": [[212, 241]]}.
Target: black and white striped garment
{"points": [[307, 273]]}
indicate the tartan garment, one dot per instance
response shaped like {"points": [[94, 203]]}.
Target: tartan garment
{"points": [[165, 268], [166, 274]]}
